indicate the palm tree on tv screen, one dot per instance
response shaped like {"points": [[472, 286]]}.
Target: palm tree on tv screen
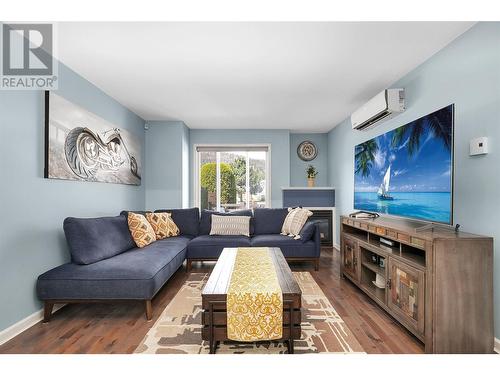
{"points": [[365, 156], [439, 123]]}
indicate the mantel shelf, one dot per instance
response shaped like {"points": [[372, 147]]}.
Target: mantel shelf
{"points": [[308, 188]]}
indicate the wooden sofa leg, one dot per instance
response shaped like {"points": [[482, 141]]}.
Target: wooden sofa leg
{"points": [[47, 311], [189, 264], [316, 264], [149, 310]]}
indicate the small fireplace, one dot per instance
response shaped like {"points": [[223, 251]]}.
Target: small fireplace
{"points": [[319, 200], [325, 220]]}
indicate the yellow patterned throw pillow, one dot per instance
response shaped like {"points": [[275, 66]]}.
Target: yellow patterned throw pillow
{"points": [[162, 224], [142, 232]]}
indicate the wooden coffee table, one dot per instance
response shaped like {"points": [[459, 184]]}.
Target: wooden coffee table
{"points": [[214, 316]]}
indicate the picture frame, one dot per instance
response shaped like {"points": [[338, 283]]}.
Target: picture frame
{"points": [[81, 146]]}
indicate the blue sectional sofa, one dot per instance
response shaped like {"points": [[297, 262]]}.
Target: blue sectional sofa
{"points": [[106, 264], [265, 228]]}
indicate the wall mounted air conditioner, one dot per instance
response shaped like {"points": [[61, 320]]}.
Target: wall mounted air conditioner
{"points": [[383, 106]]}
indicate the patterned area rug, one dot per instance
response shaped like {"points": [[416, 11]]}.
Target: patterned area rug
{"points": [[178, 330]]}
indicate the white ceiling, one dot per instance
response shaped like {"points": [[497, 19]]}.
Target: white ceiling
{"points": [[305, 77]]}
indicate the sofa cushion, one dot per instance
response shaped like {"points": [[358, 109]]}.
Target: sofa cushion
{"points": [[290, 248], [206, 219], [141, 230], [93, 239], [307, 231], [135, 274], [125, 213], [269, 220], [210, 247], [186, 219]]}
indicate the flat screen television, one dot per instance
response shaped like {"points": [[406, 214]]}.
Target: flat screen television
{"points": [[408, 171]]}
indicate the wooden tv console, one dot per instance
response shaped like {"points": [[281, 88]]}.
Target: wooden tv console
{"points": [[439, 283]]}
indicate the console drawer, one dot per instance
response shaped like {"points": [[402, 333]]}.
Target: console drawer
{"points": [[403, 237], [418, 242], [391, 233]]}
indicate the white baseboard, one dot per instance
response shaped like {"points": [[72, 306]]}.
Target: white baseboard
{"points": [[497, 345], [22, 325]]}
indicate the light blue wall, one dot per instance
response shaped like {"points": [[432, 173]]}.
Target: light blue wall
{"points": [[467, 73], [280, 153], [298, 167], [33, 208], [167, 160], [185, 166]]}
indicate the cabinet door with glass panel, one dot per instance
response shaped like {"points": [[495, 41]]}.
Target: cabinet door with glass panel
{"points": [[232, 178], [406, 293]]}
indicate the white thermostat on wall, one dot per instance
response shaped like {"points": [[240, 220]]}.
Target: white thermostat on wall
{"points": [[478, 146]]}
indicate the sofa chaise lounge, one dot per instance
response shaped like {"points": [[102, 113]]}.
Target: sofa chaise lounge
{"points": [[107, 265]]}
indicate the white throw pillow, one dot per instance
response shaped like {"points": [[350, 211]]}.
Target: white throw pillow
{"points": [[294, 222], [230, 225], [285, 229]]}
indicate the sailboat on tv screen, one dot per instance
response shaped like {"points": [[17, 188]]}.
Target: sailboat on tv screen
{"points": [[383, 190]]}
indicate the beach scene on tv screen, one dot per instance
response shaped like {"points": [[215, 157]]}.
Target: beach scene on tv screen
{"points": [[408, 171]]}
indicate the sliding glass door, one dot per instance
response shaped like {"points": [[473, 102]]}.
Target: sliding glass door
{"points": [[232, 178]]}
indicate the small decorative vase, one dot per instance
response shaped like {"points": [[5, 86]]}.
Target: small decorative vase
{"points": [[310, 182]]}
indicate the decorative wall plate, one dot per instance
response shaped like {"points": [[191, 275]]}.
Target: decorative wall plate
{"points": [[307, 151]]}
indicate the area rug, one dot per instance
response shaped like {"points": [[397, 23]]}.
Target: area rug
{"points": [[178, 330]]}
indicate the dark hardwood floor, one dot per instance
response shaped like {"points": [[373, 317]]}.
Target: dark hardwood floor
{"points": [[119, 328]]}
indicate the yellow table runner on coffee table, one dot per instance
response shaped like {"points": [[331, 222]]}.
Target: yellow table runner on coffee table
{"points": [[254, 298]]}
